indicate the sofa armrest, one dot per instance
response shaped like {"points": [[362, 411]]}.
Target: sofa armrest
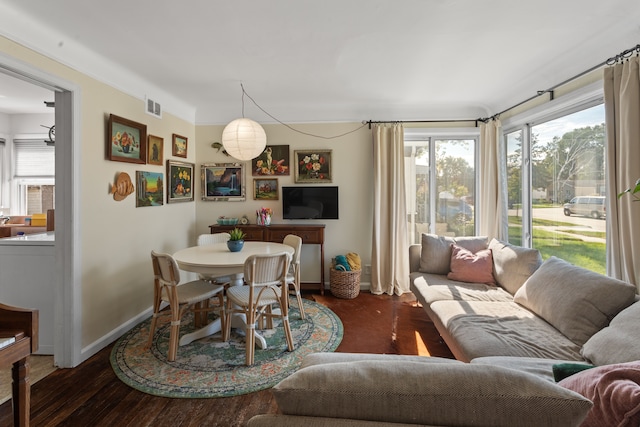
{"points": [[415, 251]]}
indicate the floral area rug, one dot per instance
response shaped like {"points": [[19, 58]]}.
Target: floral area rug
{"points": [[211, 368]]}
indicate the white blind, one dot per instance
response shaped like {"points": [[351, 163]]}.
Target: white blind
{"points": [[34, 158]]}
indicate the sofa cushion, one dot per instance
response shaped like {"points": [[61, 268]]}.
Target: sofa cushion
{"points": [[467, 266], [617, 343], [540, 367], [323, 358], [480, 328], [614, 391], [576, 301], [512, 265], [429, 288], [435, 256], [425, 393]]}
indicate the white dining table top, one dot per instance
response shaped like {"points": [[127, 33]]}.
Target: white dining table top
{"points": [[218, 259]]}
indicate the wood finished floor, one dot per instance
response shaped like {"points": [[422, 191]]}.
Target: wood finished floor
{"points": [[91, 394]]}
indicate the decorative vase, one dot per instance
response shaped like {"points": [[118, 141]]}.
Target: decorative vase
{"points": [[235, 245]]}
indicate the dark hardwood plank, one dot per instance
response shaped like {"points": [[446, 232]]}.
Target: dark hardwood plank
{"points": [[92, 395]]}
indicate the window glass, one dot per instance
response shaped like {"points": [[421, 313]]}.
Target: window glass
{"points": [[514, 186], [455, 186], [567, 162]]}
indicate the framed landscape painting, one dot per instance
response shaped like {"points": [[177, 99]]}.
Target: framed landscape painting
{"points": [[312, 166], [273, 161], [149, 189], [126, 140], [179, 145], [179, 181], [223, 182], [265, 189]]}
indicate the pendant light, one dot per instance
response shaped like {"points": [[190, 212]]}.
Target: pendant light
{"points": [[243, 138]]}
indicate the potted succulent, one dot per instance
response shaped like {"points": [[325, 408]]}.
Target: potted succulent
{"points": [[236, 240]]}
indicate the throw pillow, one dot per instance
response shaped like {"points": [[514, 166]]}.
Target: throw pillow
{"points": [[443, 394], [513, 265], [564, 370], [614, 391], [469, 267], [436, 254], [617, 343], [576, 301]]}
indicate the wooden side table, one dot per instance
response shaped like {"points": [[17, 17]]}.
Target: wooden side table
{"points": [[312, 234]]}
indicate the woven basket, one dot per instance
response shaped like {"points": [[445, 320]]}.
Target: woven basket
{"points": [[344, 284]]}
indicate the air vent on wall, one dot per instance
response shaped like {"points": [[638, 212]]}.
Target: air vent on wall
{"points": [[154, 108]]}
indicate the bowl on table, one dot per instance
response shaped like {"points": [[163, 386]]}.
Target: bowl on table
{"points": [[227, 221]]}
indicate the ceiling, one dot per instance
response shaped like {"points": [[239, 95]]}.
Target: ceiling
{"points": [[334, 60]]}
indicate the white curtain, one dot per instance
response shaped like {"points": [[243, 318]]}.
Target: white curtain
{"points": [[491, 204], [622, 109], [390, 249]]}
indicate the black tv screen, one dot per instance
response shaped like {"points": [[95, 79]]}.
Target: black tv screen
{"points": [[310, 202]]}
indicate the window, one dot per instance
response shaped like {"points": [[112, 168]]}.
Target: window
{"points": [[34, 176], [567, 192], [441, 184]]}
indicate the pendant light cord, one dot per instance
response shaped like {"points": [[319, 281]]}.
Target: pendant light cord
{"points": [[244, 93]]}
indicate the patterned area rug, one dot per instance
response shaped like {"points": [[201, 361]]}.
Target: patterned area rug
{"points": [[211, 368]]}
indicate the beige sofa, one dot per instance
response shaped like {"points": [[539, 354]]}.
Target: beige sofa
{"points": [[537, 310], [349, 389], [536, 317]]}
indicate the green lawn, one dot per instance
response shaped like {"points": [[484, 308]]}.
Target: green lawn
{"points": [[590, 255]]}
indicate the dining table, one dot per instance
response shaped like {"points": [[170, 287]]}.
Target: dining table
{"points": [[217, 260]]}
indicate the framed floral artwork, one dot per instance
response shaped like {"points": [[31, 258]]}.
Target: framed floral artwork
{"points": [[149, 189], [179, 145], [265, 189], [223, 182], [179, 181], [126, 140], [273, 161], [155, 150], [312, 166]]}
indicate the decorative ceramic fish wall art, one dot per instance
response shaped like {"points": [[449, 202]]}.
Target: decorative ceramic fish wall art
{"points": [[123, 187]]}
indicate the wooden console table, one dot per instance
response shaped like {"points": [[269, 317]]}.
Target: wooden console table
{"points": [[311, 234], [18, 339]]}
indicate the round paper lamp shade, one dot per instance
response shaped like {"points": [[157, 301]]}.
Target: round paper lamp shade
{"points": [[244, 139]]}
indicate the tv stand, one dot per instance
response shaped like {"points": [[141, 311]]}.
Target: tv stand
{"points": [[312, 234]]}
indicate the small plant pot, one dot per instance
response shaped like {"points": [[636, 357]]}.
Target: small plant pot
{"points": [[235, 245]]}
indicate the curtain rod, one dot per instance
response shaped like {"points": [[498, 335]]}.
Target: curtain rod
{"points": [[619, 57]]}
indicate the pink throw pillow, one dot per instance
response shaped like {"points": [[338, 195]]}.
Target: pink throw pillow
{"points": [[614, 391], [469, 267]]}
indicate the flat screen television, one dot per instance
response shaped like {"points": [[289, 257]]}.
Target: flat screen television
{"points": [[301, 202]]}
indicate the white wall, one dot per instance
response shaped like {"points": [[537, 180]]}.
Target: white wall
{"points": [[352, 157]]}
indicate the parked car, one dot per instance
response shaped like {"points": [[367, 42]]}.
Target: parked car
{"points": [[593, 206], [458, 209]]}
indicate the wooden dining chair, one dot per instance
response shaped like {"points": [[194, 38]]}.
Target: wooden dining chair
{"points": [[293, 275], [266, 277], [192, 296], [210, 239]]}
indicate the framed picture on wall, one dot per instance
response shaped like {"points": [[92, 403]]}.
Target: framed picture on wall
{"points": [[273, 161], [312, 166], [179, 181], [155, 150], [223, 182], [149, 189], [179, 145], [265, 189], [126, 140]]}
